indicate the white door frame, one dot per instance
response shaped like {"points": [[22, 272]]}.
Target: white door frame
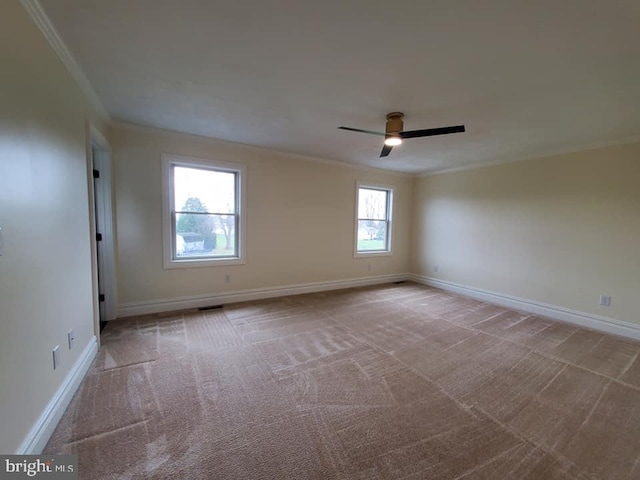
{"points": [[102, 199]]}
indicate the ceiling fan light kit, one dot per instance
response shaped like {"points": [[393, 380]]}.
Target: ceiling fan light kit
{"points": [[394, 134], [393, 140]]}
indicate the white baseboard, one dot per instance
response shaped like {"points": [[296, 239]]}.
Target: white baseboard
{"points": [[582, 319], [130, 309], [38, 437]]}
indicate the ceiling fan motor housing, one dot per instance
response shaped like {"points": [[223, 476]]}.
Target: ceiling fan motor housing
{"points": [[394, 123]]}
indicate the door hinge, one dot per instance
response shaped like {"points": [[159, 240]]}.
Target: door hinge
{"points": [[98, 237], [101, 297], [96, 173]]}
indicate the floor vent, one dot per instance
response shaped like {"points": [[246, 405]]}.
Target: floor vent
{"points": [[211, 307]]}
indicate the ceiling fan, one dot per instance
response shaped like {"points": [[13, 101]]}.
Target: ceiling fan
{"points": [[393, 134]]}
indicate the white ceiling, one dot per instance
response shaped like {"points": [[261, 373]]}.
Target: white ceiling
{"points": [[526, 77]]}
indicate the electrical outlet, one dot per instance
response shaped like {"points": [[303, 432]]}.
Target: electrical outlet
{"points": [[227, 278], [436, 268], [605, 300], [56, 357], [368, 267], [71, 338]]}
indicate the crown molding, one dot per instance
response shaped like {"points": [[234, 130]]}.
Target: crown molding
{"points": [[544, 154], [37, 13], [124, 125]]}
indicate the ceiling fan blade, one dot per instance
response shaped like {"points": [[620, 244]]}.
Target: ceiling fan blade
{"points": [[386, 150], [362, 131], [432, 131]]}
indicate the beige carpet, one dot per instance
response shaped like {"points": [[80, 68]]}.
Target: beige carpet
{"points": [[391, 382]]}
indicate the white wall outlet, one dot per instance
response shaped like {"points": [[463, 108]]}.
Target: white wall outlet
{"points": [[605, 300], [227, 278], [56, 357], [71, 337], [436, 268]]}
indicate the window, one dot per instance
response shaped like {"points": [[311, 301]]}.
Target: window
{"points": [[203, 212], [373, 223]]}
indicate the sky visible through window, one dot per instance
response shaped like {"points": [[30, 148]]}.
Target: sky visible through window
{"points": [[214, 188], [372, 204]]}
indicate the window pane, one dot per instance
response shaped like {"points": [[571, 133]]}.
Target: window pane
{"points": [[226, 233], [372, 235], [372, 204], [204, 190], [204, 235]]}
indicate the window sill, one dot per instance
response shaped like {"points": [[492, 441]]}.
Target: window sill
{"points": [[223, 262], [385, 253]]}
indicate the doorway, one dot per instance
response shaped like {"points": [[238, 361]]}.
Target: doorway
{"points": [[103, 223]]}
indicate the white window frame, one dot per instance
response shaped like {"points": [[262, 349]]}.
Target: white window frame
{"points": [[168, 210], [375, 253]]}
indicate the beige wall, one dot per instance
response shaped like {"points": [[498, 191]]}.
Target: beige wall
{"points": [[45, 271], [300, 219], [560, 230]]}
